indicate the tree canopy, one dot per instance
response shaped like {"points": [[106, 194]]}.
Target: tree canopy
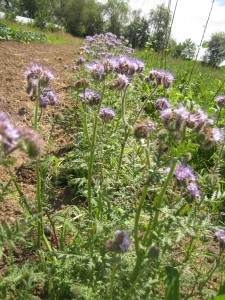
{"points": [[215, 52]]}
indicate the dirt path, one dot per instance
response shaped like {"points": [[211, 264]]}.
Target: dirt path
{"points": [[14, 59]]}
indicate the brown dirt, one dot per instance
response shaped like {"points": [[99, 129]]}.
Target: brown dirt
{"points": [[14, 59]]}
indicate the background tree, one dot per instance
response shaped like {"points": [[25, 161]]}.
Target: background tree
{"points": [[137, 32], [186, 49], [93, 18], [215, 52], [82, 17], [116, 16], [160, 22], [10, 7]]}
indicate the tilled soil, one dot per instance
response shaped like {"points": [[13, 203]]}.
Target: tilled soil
{"points": [[14, 59]]}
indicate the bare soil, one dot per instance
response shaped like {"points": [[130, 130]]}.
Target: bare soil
{"points": [[14, 59]]}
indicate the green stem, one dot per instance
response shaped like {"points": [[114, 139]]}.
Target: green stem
{"points": [[121, 155], [126, 134], [157, 204], [140, 275], [136, 227], [143, 105], [86, 128], [39, 204], [147, 155], [91, 161], [124, 109], [218, 117], [218, 159], [36, 108], [85, 119], [189, 250], [113, 273], [49, 248], [138, 213]]}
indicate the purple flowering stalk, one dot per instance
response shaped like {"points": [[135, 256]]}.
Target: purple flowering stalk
{"points": [[38, 79], [126, 135], [91, 97]]}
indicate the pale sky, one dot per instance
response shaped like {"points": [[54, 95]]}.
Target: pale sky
{"points": [[190, 17]]}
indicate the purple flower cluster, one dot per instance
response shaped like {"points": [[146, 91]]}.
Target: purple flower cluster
{"points": [[12, 137], [47, 97], [30, 141], [160, 77], [106, 114], [105, 45], [128, 65], [91, 96], [121, 82], [40, 73], [220, 235], [8, 133], [143, 129], [122, 65], [97, 70], [162, 103], [220, 100], [184, 173], [121, 242], [38, 79], [197, 121]]}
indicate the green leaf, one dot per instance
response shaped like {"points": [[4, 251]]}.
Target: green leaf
{"points": [[221, 295], [172, 289]]}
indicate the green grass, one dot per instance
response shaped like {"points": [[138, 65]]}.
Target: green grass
{"points": [[204, 84], [59, 36]]}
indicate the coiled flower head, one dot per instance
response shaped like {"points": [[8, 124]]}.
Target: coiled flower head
{"points": [[143, 129], [13, 137], [106, 113], [9, 133], [129, 65], [30, 141], [220, 100], [209, 136], [97, 70], [47, 97], [121, 82], [184, 172], [161, 77], [120, 243], [91, 96], [39, 72], [162, 103], [193, 189], [220, 235]]}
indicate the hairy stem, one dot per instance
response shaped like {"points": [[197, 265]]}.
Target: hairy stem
{"points": [[91, 160]]}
